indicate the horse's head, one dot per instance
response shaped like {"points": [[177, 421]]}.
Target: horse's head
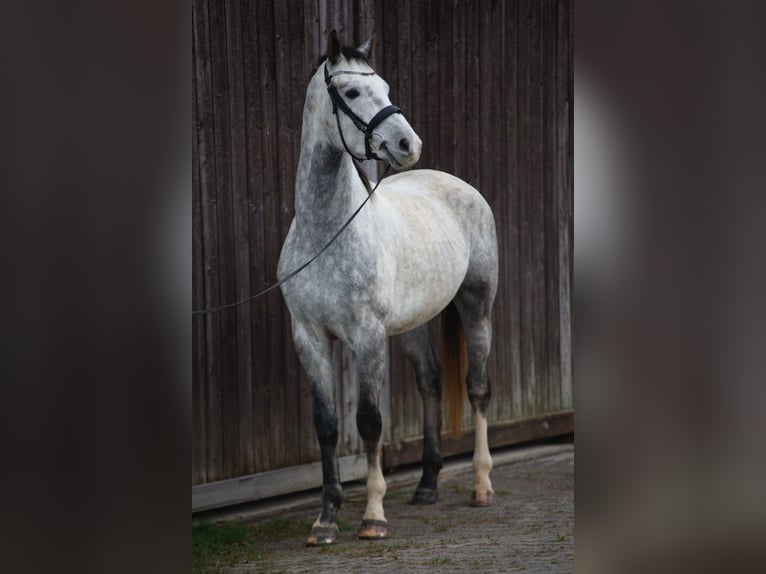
{"points": [[358, 116]]}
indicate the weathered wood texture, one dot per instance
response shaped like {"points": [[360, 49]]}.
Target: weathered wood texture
{"points": [[488, 87]]}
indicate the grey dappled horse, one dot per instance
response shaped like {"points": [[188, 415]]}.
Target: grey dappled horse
{"points": [[425, 239]]}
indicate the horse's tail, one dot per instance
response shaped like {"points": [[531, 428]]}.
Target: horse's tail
{"points": [[454, 368]]}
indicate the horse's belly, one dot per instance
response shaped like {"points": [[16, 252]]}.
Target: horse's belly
{"points": [[421, 291], [416, 312]]}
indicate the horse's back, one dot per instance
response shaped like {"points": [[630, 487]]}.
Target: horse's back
{"points": [[439, 185], [425, 194]]}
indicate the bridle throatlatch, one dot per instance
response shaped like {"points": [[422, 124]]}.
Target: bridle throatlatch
{"points": [[365, 127]]}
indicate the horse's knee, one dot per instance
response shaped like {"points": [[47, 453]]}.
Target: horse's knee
{"points": [[326, 423], [368, 421]]}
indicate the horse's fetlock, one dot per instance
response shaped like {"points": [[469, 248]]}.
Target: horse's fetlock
{"points": [[434, 461], [334, 496]]}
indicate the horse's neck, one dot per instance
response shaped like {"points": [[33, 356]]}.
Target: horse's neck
{"points": [[327, 187]]}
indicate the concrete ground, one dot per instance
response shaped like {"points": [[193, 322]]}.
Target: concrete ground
{"points": [[529, 529]]}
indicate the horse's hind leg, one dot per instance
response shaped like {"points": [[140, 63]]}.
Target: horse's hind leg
{"points": [[315, 353], [417, 347], [475, 305]]}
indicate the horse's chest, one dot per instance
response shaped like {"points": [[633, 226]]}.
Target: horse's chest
{"points": [[340, 278]]}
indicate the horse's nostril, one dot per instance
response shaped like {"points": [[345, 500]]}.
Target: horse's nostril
{"points": [[404, 144]]}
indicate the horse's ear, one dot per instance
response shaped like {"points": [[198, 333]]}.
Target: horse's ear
{"points": [[367, 47], [333, 47]]}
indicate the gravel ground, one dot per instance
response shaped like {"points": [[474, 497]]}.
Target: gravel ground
{"points": [[529, 529]]}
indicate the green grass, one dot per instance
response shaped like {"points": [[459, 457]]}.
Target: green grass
{"points": [[460, 489], [398, 493], [216, 546]]}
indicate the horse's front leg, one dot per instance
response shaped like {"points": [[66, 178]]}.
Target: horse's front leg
{"points": [[315, 353], [371, 359]]}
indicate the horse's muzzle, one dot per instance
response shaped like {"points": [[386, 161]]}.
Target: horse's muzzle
{"points": [[404, 153]]}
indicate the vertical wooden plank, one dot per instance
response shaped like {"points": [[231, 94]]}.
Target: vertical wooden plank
{"points": [[418, 88], [443, 85], [429, 68], [199, 464], [564, 195], [500, 368], [526, 198], [337, 15], [324, 24], [537, 228], [272, 348], [226, 245], [457, 89], [364, 20], [345, 12], [388, 61], [550, 205], [257, 180], [209, 216], [403, 90], [313, 45], [245, 462], [473, 92], [510, 284]]}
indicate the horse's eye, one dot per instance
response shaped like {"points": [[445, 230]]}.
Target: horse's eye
{"points": [[352, 93]]}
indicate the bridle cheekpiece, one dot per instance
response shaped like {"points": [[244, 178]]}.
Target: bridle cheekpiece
{"points": [[365, 127]]}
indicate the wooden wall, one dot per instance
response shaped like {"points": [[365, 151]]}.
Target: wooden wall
{"points": [[488, 87]]}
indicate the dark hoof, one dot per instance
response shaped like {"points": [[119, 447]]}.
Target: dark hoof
{"points": [[483, 499], [425, 496], [373, 529], [322, 536]]}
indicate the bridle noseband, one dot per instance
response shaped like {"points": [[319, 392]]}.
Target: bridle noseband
{"points": [[365, 127]]}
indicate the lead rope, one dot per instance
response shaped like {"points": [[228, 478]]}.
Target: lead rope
{"points": [[302, 267]]}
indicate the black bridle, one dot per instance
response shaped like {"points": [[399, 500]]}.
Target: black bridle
{"points": [[365, 127]]}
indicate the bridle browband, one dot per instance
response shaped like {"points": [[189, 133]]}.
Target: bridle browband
{"points": [[365, 127]]}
